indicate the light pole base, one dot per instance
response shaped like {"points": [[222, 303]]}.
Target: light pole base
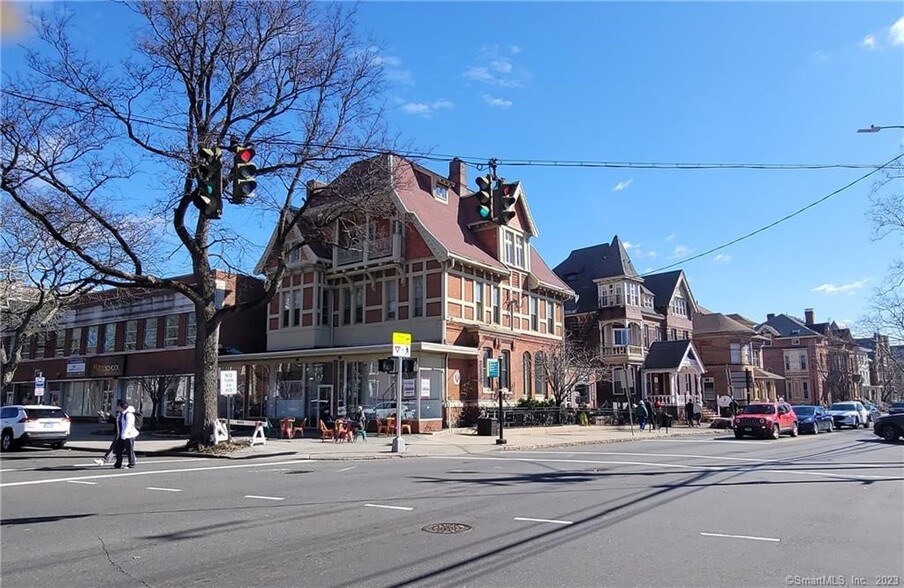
{"points": [[501, 441], [398, 445]]}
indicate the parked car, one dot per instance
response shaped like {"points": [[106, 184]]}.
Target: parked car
{"points": [[813, 419], [33, 425], [386, 409], [872, 411], [890, 427], [849, 414], [896, 408], [766, 419]]}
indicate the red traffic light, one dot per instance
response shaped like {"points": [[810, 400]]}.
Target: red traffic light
{"points": [[245, 154]]}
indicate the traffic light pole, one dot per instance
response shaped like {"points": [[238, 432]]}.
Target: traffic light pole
{"points": [[398, 444]]}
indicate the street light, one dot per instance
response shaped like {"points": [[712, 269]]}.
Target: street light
{"points": [[876, 129]]}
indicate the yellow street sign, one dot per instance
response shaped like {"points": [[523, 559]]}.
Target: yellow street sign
{"points": [[401, 338]]}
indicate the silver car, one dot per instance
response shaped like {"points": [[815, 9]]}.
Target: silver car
{"points": [[849, 414]]}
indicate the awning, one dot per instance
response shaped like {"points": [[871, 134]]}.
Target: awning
{"points": [[764, 375], [329, 353]]}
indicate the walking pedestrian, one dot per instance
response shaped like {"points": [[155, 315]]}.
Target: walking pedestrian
{"points": [[698, 411], [114, 443], [641, 410], [651, 417], [127, 434], [689, 413]]}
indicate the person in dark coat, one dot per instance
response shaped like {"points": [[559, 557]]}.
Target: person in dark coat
{"points": [[689, 413], [650, 414]]}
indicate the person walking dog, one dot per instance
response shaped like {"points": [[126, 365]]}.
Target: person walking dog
{"points": [[127, 434]]}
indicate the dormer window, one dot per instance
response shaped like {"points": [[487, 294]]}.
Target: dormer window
{"points": [[679, 305], [441, 193], [513, 249], [571, 277]]}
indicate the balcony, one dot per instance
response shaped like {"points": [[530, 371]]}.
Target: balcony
{"points": [[383, 249], [621, 352]]}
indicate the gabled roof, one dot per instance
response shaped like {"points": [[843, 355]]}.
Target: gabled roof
{"points": [[742, 319], [583, 266], [663, 286], [718, 323], [788, 326], [669, 355]]}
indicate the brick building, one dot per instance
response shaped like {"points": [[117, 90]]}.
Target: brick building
{"points": [[465, 288], [799, 354], [112, 343]]}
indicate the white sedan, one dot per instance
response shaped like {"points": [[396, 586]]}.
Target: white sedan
{"points": [[849, 414]]}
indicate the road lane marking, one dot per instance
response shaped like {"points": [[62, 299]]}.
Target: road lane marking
{"points": [[389, 507], [752, 538], [750, 459], [149, 473], [553, 521], [710, 440], [83, 482], [347, 469], [263, 497], [163, 489]]}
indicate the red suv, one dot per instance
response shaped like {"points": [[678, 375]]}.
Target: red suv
{"points": [[766, 419]]}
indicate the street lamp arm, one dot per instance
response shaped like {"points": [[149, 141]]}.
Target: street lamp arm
{"points": [[877, 128]]}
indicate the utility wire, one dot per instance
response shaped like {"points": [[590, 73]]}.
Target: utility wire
{"points": [[480, 163], [779, 221]]}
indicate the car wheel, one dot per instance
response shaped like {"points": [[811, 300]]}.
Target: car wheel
{"points": [[58, 445], [890, 434], [794, 430], [816, 428], [866, 424], [776, 432], [738, 435], [831, 427], [856, 424], [6, 441]]}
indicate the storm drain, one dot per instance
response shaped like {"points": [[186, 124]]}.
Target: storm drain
{"points": [[447, 528]]}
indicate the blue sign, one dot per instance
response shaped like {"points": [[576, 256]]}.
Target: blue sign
{"points": [[492, 368]]}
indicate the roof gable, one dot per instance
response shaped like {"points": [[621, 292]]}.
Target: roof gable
{"points": [[718, 323], [671, 355], [787, 326]]}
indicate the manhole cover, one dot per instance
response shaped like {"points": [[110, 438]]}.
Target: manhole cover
{"points": [[447, 528]]}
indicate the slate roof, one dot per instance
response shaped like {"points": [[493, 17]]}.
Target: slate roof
{"points": [[663, 286], [666, 355], [583, 266], [788, 326], [718, 323]]}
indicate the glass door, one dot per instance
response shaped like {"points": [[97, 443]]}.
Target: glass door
{"points": [[323, 398]]}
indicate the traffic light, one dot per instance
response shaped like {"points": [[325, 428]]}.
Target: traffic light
{"points": [[243, 170], [504, 202], [484, 199], [409, 366], [386, 366], [208, 194]]}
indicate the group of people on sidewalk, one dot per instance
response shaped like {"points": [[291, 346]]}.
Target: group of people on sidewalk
{"points": [[653, 414], [124, 441]]}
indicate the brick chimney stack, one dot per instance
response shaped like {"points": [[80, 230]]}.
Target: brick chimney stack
{"points": [[808, 317], [458, 175], [770, 316]]}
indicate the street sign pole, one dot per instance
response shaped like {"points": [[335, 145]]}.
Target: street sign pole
{"points": [[501, 440], [401, 348]]}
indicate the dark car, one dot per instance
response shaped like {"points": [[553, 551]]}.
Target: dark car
{"points": [[890, 427], [766, 419], [813, 419], [896, 408]]}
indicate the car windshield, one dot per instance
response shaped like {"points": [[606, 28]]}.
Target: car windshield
{"points": [[45, 413], [759, 409], [843, 406], [897, 404], [804, 410]]}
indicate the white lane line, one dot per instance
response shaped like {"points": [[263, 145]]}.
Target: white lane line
{"points": [[11, 470], [263, 497], [709, 440], [151, 473], [163, 489], [657, 455], [389, 507], [347, 469], [772, 539], [83, 482], [553, 521]]}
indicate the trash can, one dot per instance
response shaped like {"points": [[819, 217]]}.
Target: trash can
{"points": [[487, 427]]}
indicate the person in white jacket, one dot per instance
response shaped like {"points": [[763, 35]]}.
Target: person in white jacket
{"points": [[127, 434]]}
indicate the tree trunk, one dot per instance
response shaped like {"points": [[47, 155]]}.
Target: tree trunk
{"points": [[207, 345]]}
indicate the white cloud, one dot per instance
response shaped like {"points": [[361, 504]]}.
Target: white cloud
{"points": [[671, 237], [651, 254], [497, 69], [622, 185], [896, 32], [722, 258], [400, 76], [496, 102], [629, 245], [868, 42], [851, 288], [478, 74], [426, 108], [514, 49], [681, 251], [387, 61]]}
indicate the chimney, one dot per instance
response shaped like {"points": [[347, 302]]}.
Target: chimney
{"points": [[458, 175], [770, 316], [808, 317]]}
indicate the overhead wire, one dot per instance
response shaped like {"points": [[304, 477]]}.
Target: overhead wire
{"points": [[778, 221]]}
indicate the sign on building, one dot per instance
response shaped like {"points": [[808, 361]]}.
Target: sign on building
{"points": [[492, 368], [229, 382]]}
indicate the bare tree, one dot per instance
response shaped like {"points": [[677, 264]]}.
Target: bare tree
{"points": [[291, 78], [568, 364], [156, 388]]}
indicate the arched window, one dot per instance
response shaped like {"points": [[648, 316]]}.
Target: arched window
{"points": [[487, 354], [527, 379], [505, 370], [540, 375]]}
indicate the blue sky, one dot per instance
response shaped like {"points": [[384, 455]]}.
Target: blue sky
{"points": [[649, 82]]}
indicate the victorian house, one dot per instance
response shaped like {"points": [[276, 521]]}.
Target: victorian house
{"points": [[798, 353], [465, 288], [733, 354], [640, 325]]}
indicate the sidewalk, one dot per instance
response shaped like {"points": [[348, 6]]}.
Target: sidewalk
{"points": [[96, 437]]}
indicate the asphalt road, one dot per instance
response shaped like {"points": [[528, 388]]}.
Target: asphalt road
{"points": [[815, 510]]}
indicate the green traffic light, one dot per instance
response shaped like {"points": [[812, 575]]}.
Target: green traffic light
{"points": [[483, 211], [209, 189]]}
